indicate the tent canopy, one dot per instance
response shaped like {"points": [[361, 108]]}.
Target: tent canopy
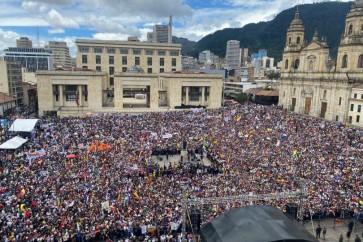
{"points": [[254, 224], [13, 143], [23, 125]]}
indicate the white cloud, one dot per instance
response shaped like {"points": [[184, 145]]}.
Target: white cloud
{"points": [[110, 36], [7, 39], [56, 31], [56, 20]]}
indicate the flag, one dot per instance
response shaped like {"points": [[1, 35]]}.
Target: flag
{"points": [[136, 195], [77, 98]]}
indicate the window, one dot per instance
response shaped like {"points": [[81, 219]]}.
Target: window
{"points": [[161, 61], [324, 94], [136, 52], [194, 93], [355, 95], [289, 40], [351, 107], [111, 81], [174, 53], [98, 59], [337, 118], [137, 61], [149, 52], [298, 40], [361, 29], [70, 92], [311, 65], [340, 101], [124, 51], [173, 69], [149, 70], [361, 96], [84, 67], [161, 52], [294, 91], [97, 50], [161, 70], [124, 60], [149, 61], [111, 51], [173, 61], [83, 49], [111, 70], [345, 61], [284, 94], [359, 108], [286, 64], [98, 68], [297, 63], [84, 59], [360, 61], [111, 60], [350, 29], [350, 119], [357, 119], [124, 69]]}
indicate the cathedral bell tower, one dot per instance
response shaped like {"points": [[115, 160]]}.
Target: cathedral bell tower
{"points": [[350, 51], [294, 43]]}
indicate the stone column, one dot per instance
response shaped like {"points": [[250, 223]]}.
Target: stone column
{"points": [[186, 95], [61, 101], [203, 89], [80, 95]]}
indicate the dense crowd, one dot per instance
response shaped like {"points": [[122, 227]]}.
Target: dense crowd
{"points": [[95, 179]]}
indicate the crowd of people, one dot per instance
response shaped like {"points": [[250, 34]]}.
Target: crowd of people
{"points": [[95, 178]]}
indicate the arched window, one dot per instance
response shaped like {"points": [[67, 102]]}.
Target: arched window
{"points": [[298, 40], [360, 61], [350, 29], [297, 63], [345, 61], [311, 65], [286, 64], [289, 40]]}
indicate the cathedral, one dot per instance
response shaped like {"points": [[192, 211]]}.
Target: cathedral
{"points": [[312, 84]]}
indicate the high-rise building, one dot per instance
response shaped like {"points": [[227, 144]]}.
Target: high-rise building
{"points": [[60, 54], [11, 79], [31, 58], [24, 42], [161, 33], [233, 57]]}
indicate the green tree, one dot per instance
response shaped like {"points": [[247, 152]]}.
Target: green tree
{"points": [[242, 98]]}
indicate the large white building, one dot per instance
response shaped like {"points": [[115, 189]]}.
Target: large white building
{"points": [[312, 85], [60, 54]]}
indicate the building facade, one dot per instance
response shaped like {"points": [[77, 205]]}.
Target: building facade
{"points": [[77, 93], [115, 57], [31, 58], [233, 57], [24, 42], [161, 33], [60, 54], [311, 84], [11, 80]]}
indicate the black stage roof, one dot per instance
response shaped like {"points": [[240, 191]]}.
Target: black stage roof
{"points": [[255, 224]]}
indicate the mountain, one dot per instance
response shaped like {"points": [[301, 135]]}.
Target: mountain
{"points": [[187, 45], [328, 18]]}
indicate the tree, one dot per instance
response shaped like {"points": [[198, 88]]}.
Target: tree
{"points": [[242, 98], [274, 75]]}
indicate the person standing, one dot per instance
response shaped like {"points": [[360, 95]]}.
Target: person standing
{"points": [[357, 239], [324, 232], [318, 231], [341, 238]]}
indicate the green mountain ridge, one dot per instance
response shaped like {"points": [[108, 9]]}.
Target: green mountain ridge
{"points": [[328, 18]]}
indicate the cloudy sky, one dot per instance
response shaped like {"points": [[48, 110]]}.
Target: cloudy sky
{"points": [[117, 19]]}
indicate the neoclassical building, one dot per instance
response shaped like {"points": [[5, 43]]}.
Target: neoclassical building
{"points": [[80, 92], [312, 84]]}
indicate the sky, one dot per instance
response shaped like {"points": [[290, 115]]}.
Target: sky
{"points": [[66, 20]]}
